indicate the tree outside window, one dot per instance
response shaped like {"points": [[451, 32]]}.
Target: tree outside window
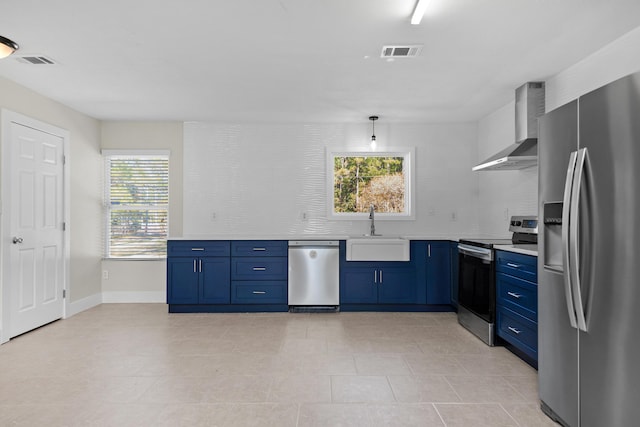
{"points": [[359, 180]]}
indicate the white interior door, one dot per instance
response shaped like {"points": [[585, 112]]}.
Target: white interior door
{"points": [[35, 275]]}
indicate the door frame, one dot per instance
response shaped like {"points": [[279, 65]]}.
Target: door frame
{"points": [[6, 118]]}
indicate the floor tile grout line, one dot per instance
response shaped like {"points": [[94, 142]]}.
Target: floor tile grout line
{"points": [[439, 414], [453, 388], [509, 414], [298, 414]]}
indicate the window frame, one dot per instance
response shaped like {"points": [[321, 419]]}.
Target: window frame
{"points": [[108, 154], [407, 153]]}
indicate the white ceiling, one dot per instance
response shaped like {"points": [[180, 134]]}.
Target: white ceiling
{"points": [[299, 60]]}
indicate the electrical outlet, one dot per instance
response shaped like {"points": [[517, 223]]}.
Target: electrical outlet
{"points": [[214, 216], [506, 213], [304, 216], [454, 216], [105, 274]]}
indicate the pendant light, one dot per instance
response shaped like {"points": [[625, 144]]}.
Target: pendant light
{"points": [[7, 47], [372, 144]]}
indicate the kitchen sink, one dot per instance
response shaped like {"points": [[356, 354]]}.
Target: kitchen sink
{"points": [[378, 248]]}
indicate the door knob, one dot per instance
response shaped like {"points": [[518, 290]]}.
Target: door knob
{"points": [[17, 240]]}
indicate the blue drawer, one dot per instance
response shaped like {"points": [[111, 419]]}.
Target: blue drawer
{"points": [[266, 268], [198, 248], [518, 265], [517, 295], [259, 292], [255, 248], [519, 331]]}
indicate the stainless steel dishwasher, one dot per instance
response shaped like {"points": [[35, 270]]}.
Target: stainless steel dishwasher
{"points": [[314, 275]]}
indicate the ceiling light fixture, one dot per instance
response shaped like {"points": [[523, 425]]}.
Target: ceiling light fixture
{"points": [[418, 12], [372, 144], [7, 47]]}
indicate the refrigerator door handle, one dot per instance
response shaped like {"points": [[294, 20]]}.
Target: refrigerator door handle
{"points": [[581, 164], [566, 221]]}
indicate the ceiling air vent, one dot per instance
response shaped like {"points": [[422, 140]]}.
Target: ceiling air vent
{"points": [[407, 51], [36, 60]]}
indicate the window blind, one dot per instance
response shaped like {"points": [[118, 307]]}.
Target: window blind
{"points": [[137, 201]]}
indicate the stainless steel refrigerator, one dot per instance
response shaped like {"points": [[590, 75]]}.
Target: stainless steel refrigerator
{"points": [[589, 258]]}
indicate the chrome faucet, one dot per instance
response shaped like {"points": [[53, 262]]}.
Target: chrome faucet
{"points": [[372, 218]]}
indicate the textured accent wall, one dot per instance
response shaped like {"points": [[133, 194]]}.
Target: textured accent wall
{"points": [[259, 179]]}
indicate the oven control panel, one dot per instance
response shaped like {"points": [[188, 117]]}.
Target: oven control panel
{"points": [[524, 224]]}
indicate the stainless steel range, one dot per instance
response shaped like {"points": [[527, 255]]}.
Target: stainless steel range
{"points": [[477, 283]]}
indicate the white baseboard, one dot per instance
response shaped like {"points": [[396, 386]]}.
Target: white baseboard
{"points": [[79, 306], [134, 297]]}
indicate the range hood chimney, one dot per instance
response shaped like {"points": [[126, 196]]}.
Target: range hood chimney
{"points": [[524, 153]]}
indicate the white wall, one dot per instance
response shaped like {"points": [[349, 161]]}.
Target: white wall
{"points": [[258, 178], [502, 193], [144, 281], [515, 192], [85, 183], [616, 60]]}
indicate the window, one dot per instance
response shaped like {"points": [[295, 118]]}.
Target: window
{"points": [[357, 180], [137, 203]]}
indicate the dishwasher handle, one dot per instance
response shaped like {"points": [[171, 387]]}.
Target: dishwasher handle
{"points": [[313, 243]]}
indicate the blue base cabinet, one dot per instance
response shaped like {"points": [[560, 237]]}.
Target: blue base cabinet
{"points": [[357, 286], [455, 261], [226, 276], [379, 284], [438, 272], [251, 275], [421, 284], [195, 278], [517, 304], [259, 271]]}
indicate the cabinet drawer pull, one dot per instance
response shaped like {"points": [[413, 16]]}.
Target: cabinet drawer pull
{"points": [[259, 268], [512, 265], [259, 249], [513, 294], [514, 330], [197, 249], [259, 292]]}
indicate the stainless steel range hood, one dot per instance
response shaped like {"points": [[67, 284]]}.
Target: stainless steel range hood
{"points": [[524, 153]]}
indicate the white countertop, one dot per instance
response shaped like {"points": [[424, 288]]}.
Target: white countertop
{"points": [[262, 237], [303, 237], [526, 249]]}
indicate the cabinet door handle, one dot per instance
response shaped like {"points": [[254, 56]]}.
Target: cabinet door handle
{"points": [[195, 267], [429, 250], [513, 294], [200, 266], [259, 268], [380, 276], [514, 330], [512, 265], [259, 292], [259, 249], [375, 276], [197, 249]]}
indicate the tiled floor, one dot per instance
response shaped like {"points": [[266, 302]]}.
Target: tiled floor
{"points": [[137, 365]]}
